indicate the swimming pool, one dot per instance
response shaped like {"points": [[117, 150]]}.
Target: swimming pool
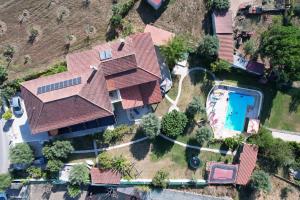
{"points": [[236, 111]]}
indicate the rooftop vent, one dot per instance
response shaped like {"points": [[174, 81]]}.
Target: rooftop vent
{"points": [[122, 44], [104, 55], [95, 69]]}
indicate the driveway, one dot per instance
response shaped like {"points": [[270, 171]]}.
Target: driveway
{"points": [[4, 149]]}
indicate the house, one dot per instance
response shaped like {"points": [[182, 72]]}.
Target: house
{"points": [[222, 28], [122, 73], [105, 177]]}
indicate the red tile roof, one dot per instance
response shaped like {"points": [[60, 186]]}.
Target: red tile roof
{"points": [[159, 36], [247, 163], [135, 64], [223, 22], [131, 97], [226, 47], [105, 176], [220, 173]]}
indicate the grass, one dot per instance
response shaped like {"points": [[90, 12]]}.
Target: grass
{"points": [[161, 108], [77, 158], [173, 92]]}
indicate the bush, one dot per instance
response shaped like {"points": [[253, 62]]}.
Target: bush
{"points": [[127, 28], [21, 153], [74, 191], [249, 47], [104, 160], [220, 66], [260, 181], [79, 175], [9, 52], [33, 34], [218, 4], [194, 107], [115, 135], [3, 74], [233, 142], [120, 164], [120, 10], [174, 123], [8, 91], [209, 46], [34, 172], [5, 181], [7, 115], [54, 165], [174, 51], [203, 134], [58, 150], [161, 179], [151, 125]]}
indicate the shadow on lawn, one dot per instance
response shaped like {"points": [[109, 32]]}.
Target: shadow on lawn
{"points": [[140, 150], [160, 147], [295, 102]]}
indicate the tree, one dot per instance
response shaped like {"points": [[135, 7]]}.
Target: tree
{"points": [[203, 134], [8, 91], [9, 52], [151, 125], [58, 150], [115, 135], [5, 181], [209, 46], [174, 51], [233, 142], [160, 179], [260, 181], [79, 174], [120, 164], [34, 172], [74, 190], [21, 153], [218, 4], [54, 165], [194, 107], [220, 66], [104, 160], [249, 47], [281, 44], [7, 115], [33, 34], [174, 123]]}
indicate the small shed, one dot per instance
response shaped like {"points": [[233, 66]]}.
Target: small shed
{"points": [[105, 177], [221, 173]]}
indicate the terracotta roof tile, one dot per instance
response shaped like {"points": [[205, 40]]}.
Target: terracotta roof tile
{"points": [[159, 36], [222, 22], [118, 65], [131, 97], [105, 176], [226, 47]]}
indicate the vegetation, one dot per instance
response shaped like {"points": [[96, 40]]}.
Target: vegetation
{"points": [[174, 51], [209, 46], [218, 4], [104, 160], [5, 181], [127, 28], [115, 135], [260, 181], [194, 107], [220, 66], [79, 174], [54, 166], [62, 13], [34, 172], [58, 150], [120, 10], [233, 142], [74, 190], [7, 115], [151, 125], [204, 134], [161, 179], [33, 34], [21, 153], [249, 47], [9, 52], [120, 164], [281, 44], [8, 91], [173, 123]]}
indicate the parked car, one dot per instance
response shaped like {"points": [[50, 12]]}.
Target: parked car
{"points": [[17, 106], [3, 196]]}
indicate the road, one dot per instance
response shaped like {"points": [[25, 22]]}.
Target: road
{"points": [[4, 148], [286, 135]]}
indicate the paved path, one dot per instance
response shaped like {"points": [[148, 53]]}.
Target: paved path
{"points": [[285, 135], [4, 149]]}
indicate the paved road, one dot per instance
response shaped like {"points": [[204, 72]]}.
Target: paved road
{"points": [[4, 147], [286, 135]]}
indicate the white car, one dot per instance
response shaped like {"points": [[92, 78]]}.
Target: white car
{"points": [[17, 106]]}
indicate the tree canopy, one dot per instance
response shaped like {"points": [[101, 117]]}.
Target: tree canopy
{"points": [[209, 46], [260, 181], [194, 107], [160, 179], [281, 44], [204, 134], [79, 174], [151, 125], [3, 74], [220, 66], [218, 4], [21, 153], [54, 165], [173, 123], [58, 150], [5, 181]]}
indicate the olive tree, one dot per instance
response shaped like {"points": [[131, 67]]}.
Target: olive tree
{"points": [[58, 150], [204, 134], [194, 107], [209, 46], [174, 123], [21, 153], [151, 125]]}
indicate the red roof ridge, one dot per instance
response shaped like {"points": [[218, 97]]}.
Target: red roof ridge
{"points": [[95, 103]]}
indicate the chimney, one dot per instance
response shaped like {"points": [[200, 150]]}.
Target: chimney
{"points": [[122, 44], [95, 69]]}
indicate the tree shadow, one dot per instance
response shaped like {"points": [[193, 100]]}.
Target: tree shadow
{"points": [[140, 150], [295, 100], [8, 125], [149, 14], [190, 152], [161, 147], [223, 147], [244, 192]]}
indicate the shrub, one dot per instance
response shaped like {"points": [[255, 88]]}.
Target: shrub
{"points": [[79, 175], [21, 153], [151, 125], [33, 34], [194, 107], [233, 142], [8, 91], [120, 164], [174, 51], [74, 190], [127, 28], [54, 165], [34, 172], [161, 179], [220, 66], [7, 115], [58, 150], [116, 21], [249, 47], [218, 4], [174, 123], [260, 181], [105, 160], [9, 52], [209, 46], [120, 10], [5, 181], [203, 134], [115, 135]]}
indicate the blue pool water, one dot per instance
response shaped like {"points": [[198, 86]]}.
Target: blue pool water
{"points": [[236, 111]]}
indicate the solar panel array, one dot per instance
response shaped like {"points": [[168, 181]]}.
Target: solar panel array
{"points": [[104, 55], [59, 85]]}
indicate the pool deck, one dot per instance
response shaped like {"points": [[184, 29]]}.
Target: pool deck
{"points": [[217, 104]]}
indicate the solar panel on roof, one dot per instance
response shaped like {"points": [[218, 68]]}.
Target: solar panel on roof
{"points": [[70, 82], [108, 54], [39, 90], [59, 85], [56, 86], [102, 55], [66, 84], [52, 87]]}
